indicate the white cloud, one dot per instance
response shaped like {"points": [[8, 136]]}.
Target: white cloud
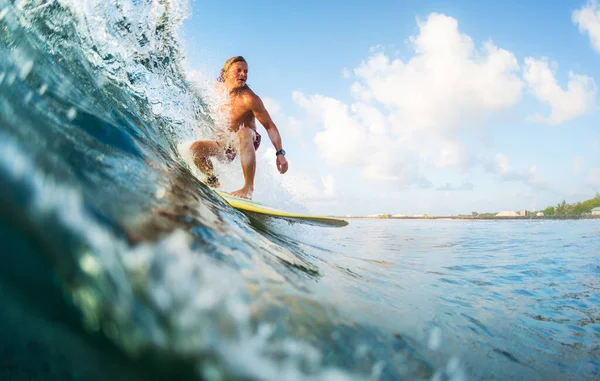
{"points": [[588, 20], [343, 138], [447, 83], [578, 99], [500, 165], [578, 162], [594, 177], [272, 106], [288, 126], [406, 115], [448, 187], [303, 188]]}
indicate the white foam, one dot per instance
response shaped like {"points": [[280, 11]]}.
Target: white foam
{"points": [[28, 97], [25, 69], [435, 339], [10, 79], [3, 13], [203, 302], [72, 113]]}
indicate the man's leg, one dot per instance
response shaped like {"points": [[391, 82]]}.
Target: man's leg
{"points": [[248, 160], [202, 150]]}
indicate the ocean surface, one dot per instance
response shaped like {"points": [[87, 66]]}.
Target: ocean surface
{"points": [[119, 264]]}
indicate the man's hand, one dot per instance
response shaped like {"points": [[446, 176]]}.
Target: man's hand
{"points": [[282, 164]]}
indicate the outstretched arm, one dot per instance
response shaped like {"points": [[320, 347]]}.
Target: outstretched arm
{"points": [[261, 113]]}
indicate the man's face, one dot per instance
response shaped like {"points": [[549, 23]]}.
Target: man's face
{"points": [[237, 75]]}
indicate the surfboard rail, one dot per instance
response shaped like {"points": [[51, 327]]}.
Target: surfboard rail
{"points": [[245, 205]]}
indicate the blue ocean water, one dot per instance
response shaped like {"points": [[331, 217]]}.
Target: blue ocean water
{"points": [[117, 263]]}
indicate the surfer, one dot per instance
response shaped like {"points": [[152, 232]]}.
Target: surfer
{"points": [[242, 107]]}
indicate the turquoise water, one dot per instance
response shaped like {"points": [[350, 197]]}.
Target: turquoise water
{"points": [[507, 299], [117, 263]]}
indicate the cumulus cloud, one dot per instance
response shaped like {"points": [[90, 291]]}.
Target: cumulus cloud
{"points": [[304, 188], [588, 20], [406, 115], [288, 125], [578, 99], [450, 188], [343, 137], [300, 184], [272, 106], [500, 165]]}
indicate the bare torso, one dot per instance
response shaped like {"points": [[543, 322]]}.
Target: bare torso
{"points": [[240, 114]]}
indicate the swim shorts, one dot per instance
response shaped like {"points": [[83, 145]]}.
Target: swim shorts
{"points": [[230, 152]]}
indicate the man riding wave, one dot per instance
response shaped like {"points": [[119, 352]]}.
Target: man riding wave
{"points": [[243, 107]]}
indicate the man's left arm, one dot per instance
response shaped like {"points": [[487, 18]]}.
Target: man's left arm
{"points": [[261, 113]]}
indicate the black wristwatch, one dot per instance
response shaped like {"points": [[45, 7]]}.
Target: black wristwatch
{"points": [[280, 152]]}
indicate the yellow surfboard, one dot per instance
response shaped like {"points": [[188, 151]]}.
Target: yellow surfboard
{"points": [[245, 205]]}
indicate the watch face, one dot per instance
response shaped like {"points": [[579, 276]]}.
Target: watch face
{"points": [[280, 152]]}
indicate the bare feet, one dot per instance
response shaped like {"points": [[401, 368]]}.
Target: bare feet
{"points": [[212, 181], [245, 192]]}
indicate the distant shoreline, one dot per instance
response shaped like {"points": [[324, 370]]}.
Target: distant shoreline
{"points": [[589, 217]]}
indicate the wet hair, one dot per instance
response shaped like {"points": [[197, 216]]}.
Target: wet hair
{"points": [[227, 65]]}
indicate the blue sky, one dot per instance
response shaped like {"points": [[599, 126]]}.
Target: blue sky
{"points": [[416, 107]]}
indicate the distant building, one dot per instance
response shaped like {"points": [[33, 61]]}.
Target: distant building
{"points": [[399, 215], [540, 214], [507, 214], [523, 213], [595, 211]]}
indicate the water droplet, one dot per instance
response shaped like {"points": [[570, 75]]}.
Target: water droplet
{"points": [[11, 79], [28, 97], [160, 193], [3, 13], [335, 336], [2, 75], [72, 113], [43, 89], [435, 338], [453, 365], [25, 70], [377, 370], [211, 373], [21, 4], [90, 265]]}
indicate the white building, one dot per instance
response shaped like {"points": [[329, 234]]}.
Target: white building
{"points": [[507, 214], [596, 211]]}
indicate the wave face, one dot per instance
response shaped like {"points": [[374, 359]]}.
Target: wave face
{"points": [[116, 253], [117, 263]]}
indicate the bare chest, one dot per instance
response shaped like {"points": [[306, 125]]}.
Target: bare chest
{"points": [[239, 114]]}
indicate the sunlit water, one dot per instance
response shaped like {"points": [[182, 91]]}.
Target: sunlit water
{"points": [[117, 263]]}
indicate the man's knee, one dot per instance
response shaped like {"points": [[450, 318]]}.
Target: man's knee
{"points": [[197, 148], [202, 148]]}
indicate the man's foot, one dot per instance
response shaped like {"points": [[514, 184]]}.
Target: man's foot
{"points": [[245, 192], [212, 181]]}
